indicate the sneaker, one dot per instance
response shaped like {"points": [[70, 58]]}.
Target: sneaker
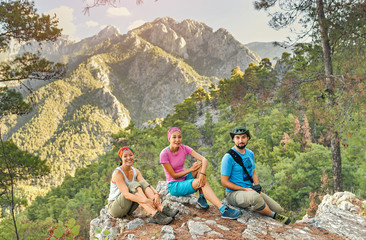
{"points": [[160, 218], [283, 219], [170, 212], [202, 203], [231, 213]]}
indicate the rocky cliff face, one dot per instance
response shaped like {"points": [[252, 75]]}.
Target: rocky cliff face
{"points": [[336, 219], [211, 53]]}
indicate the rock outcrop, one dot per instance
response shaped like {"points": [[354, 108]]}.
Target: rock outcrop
{"points": [[331, 222], [338, 214]]}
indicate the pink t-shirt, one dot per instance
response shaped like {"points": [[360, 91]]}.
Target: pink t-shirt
{"points": [[176, 160]]}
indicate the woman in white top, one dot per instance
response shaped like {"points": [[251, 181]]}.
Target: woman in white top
{"points": [[129, 189]]}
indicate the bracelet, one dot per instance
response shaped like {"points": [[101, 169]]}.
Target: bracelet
{"points": [[203, 173]]}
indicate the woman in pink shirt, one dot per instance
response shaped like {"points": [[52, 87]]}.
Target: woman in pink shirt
{"points": [[182, 181]]}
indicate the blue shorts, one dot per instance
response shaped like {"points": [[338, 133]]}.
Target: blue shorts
{"points": [[182, 188]]}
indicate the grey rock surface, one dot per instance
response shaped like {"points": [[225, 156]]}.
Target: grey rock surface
{"points": [[331, 222]]}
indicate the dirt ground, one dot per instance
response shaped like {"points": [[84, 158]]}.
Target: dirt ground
{"points": [[152, 231]]}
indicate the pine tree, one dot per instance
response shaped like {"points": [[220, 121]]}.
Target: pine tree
{"points": [[322, 20]]}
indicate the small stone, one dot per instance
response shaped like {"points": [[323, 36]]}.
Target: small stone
{"points": [[168, 236], [167, 229], [198, 228], [135, 223]]}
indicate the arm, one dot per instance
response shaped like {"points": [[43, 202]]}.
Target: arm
{"points": [[200, 158], [139, 178], [255, 178], [118, 178], [202, 171], [156, 197], [227, 184], [175, 175]]}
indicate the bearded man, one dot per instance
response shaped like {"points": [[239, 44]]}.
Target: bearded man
{"points": [[238, 176]]}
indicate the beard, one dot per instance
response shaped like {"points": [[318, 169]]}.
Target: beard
{"points": [[241, 147]]}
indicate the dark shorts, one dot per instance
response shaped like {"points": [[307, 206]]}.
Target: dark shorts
{"points": [[182, 188]]}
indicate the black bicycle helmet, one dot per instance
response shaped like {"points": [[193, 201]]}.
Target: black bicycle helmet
{"points": [[240, 130]]}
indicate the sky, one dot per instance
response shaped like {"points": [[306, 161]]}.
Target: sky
{"points": [[237, 16]]}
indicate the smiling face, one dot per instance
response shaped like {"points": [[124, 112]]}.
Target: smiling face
{"points": [[127, 158], [241, 140], [175, 139]]}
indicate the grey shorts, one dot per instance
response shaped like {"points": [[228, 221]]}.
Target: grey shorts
{"points": [[252, 200], [121, 206]]}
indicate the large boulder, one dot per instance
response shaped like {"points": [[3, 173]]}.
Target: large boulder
{"points": [[338, 214]]}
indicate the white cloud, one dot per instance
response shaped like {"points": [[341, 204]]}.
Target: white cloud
{"points": [[118, 11], [65, 15], [92, 24], [135, 24]]}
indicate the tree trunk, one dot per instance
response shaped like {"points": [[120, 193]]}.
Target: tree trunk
{"points": [[328, 69]]}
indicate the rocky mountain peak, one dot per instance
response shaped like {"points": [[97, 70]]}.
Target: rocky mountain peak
{"points": [[165, 20], [212, 53], [108, 31]]}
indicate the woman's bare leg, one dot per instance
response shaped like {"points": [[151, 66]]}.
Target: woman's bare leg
{"points": [[195, 175], [149, 208], [208, 193], [150, 194]]}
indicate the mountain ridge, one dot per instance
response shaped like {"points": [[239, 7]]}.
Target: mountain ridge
{"points": [[114, 78]]}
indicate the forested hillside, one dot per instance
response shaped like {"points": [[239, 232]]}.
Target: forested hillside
{"points": [[288, 121]]}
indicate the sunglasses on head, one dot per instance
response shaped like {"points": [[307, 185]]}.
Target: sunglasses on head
{"points": [[239, 130]]}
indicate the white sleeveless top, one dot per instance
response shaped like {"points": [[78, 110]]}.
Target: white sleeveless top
{"points": [[114, 191]]}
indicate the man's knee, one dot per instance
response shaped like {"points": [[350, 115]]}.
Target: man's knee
{"points": [[257, 202], [249, 199]]}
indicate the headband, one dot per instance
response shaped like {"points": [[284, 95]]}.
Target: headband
{"points": [[173, 129], [124, 149]]}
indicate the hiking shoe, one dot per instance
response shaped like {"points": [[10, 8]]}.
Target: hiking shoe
{"points": [[231, 213], [202, 203], [160, 218], [281, 218], [170, 212]]}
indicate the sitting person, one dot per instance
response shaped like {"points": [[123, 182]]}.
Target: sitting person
{"points": [[241, 182], [129, 189], [182, 181]]}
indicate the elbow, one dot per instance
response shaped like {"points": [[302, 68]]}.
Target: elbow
{"points": [[175, 176]]}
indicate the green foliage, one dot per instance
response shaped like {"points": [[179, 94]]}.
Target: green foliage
{"points": [[11, 102], [185, 111], [298, 176], [106, 233], [64, 231], [26, 229], [17, 165], [81, 196], [20, 21]]}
